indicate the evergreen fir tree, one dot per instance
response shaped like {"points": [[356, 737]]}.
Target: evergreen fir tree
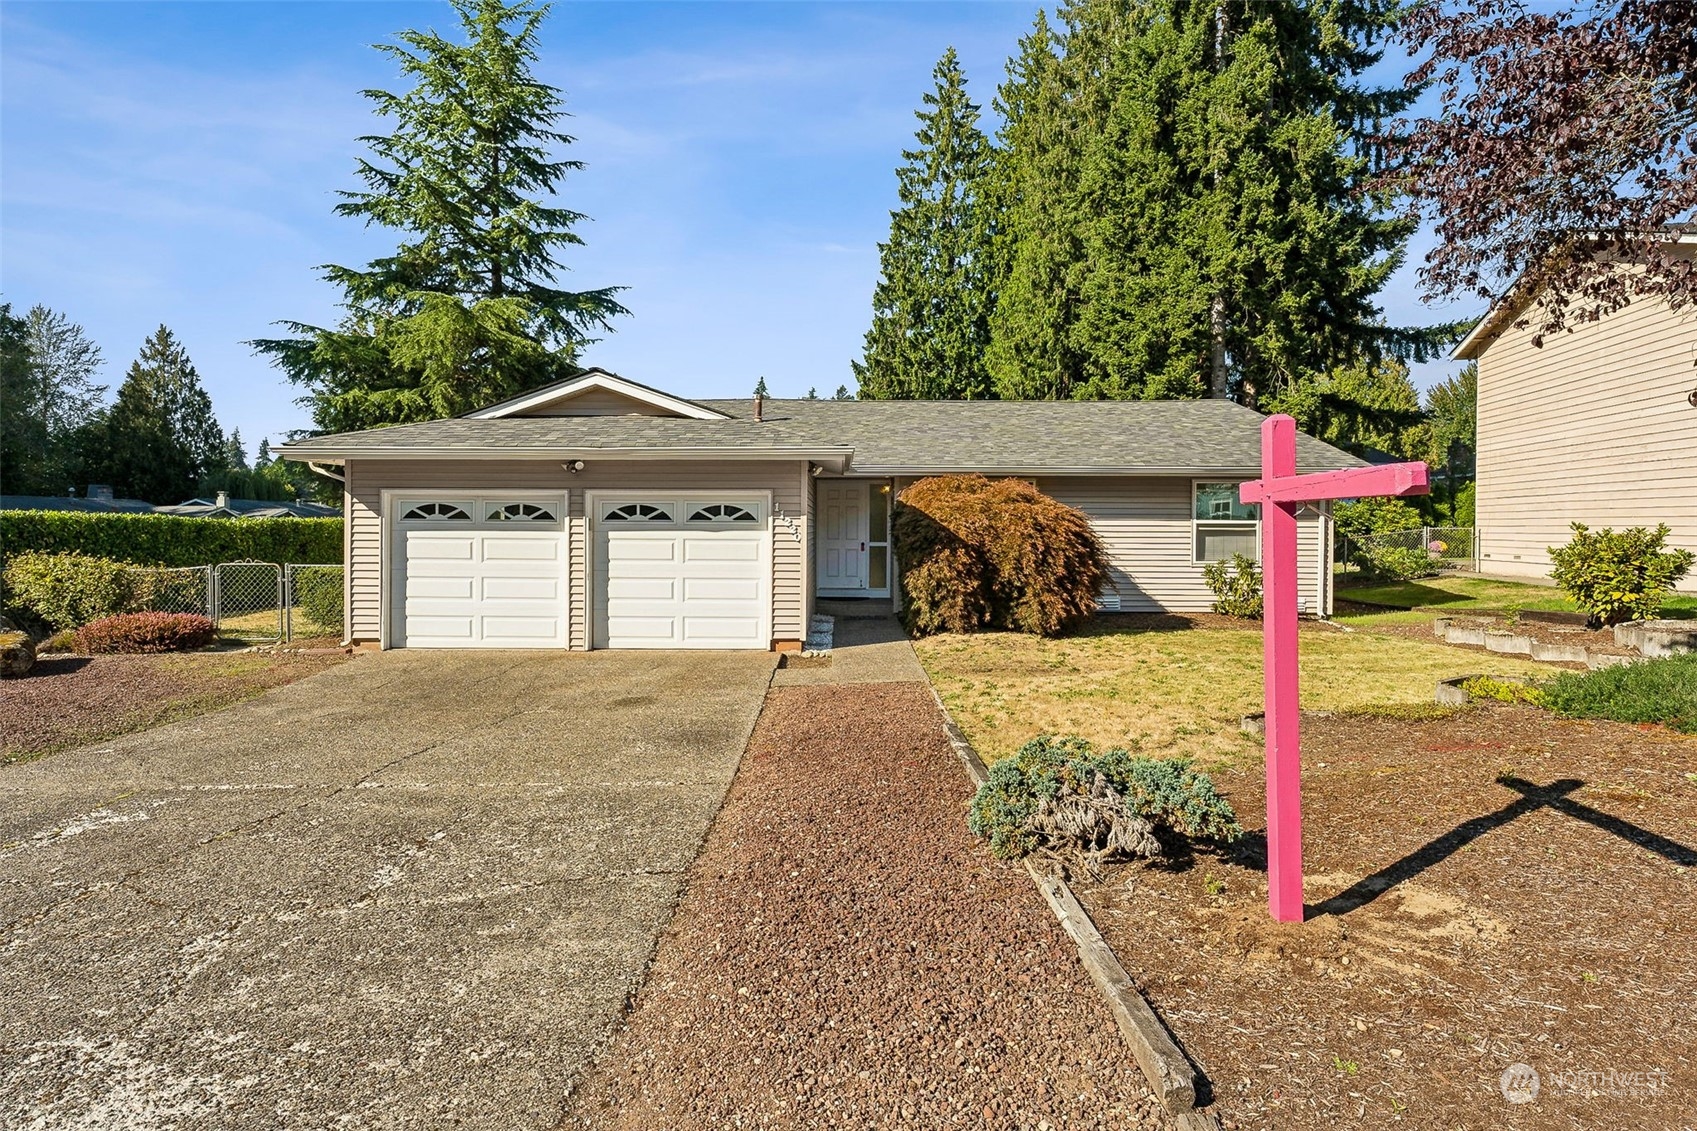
{"points": [[760, 388], [843, 394], [161, 439], [1035, 247], [465, 312], [812, 393], [24, 439], [931, 306], [262, 457]]}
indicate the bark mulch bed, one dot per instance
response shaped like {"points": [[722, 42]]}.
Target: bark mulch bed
{"points": [[1496, 887], [847, 955], [71, 700]]}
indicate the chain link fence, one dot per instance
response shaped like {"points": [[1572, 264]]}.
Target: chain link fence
{"points": [[313, 601], [162, 589], [247, 598], [1424, 549]]}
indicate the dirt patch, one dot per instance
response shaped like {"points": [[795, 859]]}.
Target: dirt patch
{"points": [[847, 955], [70, 700], [1491, 888]]}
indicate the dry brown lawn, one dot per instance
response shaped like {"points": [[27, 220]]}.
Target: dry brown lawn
{"points": [[1177, 685]]}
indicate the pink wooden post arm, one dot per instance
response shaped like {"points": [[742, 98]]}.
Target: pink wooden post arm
{"points": [[1279, 491]]}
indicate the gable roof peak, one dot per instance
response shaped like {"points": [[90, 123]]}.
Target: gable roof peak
{"points": [[588, 380]]}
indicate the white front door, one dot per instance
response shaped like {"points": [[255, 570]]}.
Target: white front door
{"points": [[842, 534], [690, 572], [478, 572]]}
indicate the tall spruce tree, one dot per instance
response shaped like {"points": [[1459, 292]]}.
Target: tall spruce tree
{"points": [[1233, 244], [465, 311], [161, 439], [1037, 254], [931, 307], [1182, 200]]}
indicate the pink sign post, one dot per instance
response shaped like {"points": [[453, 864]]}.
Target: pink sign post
{"points": [[1280, 490]]}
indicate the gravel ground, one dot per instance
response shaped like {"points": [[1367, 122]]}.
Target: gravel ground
{"points": [[847, 955], [69, 700]]}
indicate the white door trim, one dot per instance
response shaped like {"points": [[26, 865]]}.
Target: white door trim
{"points": [[386, 551], [591, 520]]}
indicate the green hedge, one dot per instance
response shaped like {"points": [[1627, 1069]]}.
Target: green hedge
{"points": [[172, 540]]}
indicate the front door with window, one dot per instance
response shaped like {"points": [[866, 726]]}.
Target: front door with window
{"points": [[853, 540]]}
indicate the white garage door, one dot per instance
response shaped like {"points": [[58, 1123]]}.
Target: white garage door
{"points": [[691, 572], [478, 572]]}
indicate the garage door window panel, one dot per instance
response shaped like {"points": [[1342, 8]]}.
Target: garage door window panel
{"points": [[437, 512], [522, 512], [639, 512]]}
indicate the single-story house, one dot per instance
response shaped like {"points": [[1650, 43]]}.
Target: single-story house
{"points": [[601, 513], [1598, 425], [222, 505]]}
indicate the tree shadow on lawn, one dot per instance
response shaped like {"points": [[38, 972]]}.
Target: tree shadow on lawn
{"points": [[1532, 797]]}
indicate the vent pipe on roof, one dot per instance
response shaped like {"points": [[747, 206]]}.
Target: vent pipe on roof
{"points": [[223, 498], [759, 405]]}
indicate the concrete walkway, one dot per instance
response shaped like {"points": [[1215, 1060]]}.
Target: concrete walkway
{"points": [[867, 649], [412, 892]]}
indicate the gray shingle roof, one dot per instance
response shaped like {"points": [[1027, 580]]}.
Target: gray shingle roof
{"points": [[885, 437]]}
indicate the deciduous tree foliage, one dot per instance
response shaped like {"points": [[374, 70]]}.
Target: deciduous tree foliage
{"points": [[931, 307], [466, 311], [48, 401], [1567, 140]]}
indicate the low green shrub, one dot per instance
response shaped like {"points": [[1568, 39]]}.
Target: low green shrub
{"points": [[67, 590], [318, 594], [979, 553], [1395, 563], [1615, 577], [171, 540], [1236, 585], [1650, 691], [146, 632], [1365, 518], [1061, 794], [1502, 690], [65, 640]]}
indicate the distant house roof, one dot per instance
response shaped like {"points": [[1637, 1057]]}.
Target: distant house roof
{"points": [[1200, 437], [70, 503], [193, 508], [248, 508]]}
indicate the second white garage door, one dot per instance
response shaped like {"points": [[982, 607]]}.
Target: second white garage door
{"points": [[682, 572]]}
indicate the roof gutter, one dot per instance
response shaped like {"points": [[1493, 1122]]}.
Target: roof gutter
{"points": [[308, 455]]}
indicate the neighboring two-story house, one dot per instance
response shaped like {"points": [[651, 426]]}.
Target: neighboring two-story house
{"points": [[1596, 426]]}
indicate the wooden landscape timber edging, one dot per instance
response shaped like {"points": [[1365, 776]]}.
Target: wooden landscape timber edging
{"points": [[1170, 1073]]}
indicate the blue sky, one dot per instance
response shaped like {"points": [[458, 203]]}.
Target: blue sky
{"points": [[177, 163]]}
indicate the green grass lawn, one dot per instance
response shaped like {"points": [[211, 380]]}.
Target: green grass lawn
{"points": [[1171, 692], [1480, 595]]}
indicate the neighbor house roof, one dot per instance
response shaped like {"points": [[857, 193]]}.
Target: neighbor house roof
{"points": [[868, 437], [1520, 293]]}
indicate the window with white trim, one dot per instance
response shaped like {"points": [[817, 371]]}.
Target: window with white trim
{"points": [[1221, 525], [436, 512], [722, 512], [520, 512]]}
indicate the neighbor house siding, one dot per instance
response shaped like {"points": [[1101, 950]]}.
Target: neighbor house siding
{"points": [[1593, 427], [1145, 525], [787, 480]]}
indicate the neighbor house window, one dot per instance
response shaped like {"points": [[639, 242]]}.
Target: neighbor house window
{"points": [[1222, 525]]}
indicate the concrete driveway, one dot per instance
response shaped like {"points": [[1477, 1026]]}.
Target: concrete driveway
{"points": [[411, 892]]}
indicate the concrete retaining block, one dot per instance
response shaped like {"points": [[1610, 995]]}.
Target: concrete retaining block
{"points": [[1459, 634], [1560, 653], [1512, 643], [1658, 637], [1449, 691]]}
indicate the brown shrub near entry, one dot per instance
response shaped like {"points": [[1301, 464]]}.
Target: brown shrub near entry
{"points": [[146, 632], [979, 553]]}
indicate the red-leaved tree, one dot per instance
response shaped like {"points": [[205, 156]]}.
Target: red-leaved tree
{"points": [[1567, 141]]}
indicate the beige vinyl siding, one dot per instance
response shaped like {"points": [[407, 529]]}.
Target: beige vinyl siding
{"points": [[599, 402], [787, 480], [1145, 524], [1594, 427]]}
